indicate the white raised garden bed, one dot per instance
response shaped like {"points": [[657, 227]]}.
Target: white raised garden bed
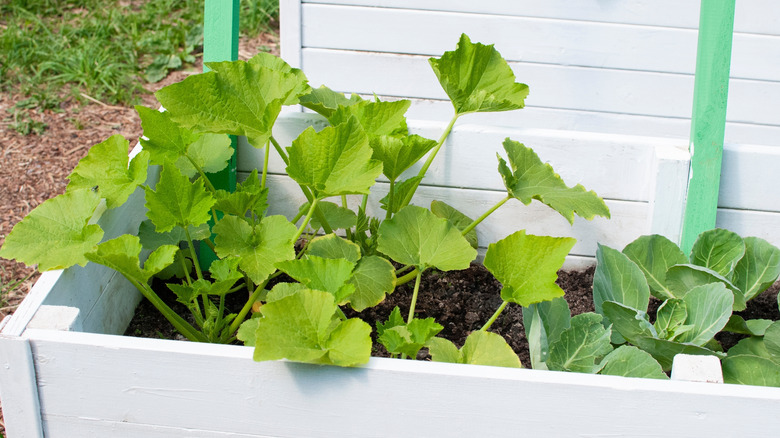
{"points": [[65, 372]]}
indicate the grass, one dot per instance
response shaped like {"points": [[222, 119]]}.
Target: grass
{"points": [[54, 49]]}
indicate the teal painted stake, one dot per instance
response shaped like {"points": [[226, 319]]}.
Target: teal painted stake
{"points": [[220, 43], [708, 122]]}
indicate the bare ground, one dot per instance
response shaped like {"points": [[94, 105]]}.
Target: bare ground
{"points": [[34, 168]]}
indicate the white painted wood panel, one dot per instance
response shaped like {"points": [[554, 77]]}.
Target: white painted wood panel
{"points": [[765, 225], [22, 418], [590, 121], [531, 39], [754, 16], [571, 88], [615, 166], [750, 179], [142, 382]]}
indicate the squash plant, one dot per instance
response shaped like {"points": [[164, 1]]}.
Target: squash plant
{"points": [[347, 257], [699, 292]]}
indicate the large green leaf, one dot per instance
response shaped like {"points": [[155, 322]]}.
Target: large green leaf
{"points": [[478, 79], [460, 220], [670, 319], [106, 170], [338, 217], [399, 153], [377, 118], [163, 138], [719, 250], [682, 278], [329, 275], [654, 255], [708, 310], [750, 363], [258, 248], [481, 348], [581, 346], [249, 196], [529, 178], [618, 279], [373, 278], [275, 63], [151, 239], [629, 361], [758, 269], [753, 327], [527, 266], [122, 254], [399, 192], [325, 101], [177, 201], [238, 98], [305, 327], [334, 161], [56, 234], [415, 236], [331, 246], [544, 322], [210, 152]]}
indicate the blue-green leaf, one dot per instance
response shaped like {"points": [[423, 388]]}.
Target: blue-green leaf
{"points": [[654, 255]]}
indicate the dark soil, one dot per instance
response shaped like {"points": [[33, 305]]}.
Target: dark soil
{"points": [[461, 301]]}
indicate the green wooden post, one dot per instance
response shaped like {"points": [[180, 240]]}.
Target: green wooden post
{"points": [[220, 43], [708, 123]]}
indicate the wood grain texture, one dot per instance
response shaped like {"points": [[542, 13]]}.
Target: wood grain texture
{"points": [[756, 16], [22, 416], [138, 383]]}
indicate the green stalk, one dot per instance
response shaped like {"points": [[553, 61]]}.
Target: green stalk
{"points": [[403, 269], [203, 176], [304, 189], [247, 307], [280, 151], [265, 165], [306, 219], [390, 197], [428, 161], [495, 316], [485, 215], [406, 278], [192, 253], [414, 297], [364, 202]]}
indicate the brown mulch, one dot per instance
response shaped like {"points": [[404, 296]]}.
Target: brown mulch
{"points": [[34, 167]]}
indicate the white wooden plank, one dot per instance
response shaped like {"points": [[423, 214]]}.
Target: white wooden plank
{"points": [[615, 166], [750, 178], [290, 30], [70, 427], [18, 391], [572, 88], [629, 219], [686, 13], [56, 318], [138, 382], [755, 16], [751, 223], [575, 120]]}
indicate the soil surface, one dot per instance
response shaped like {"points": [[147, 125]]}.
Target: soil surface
{"points": [[461, 301]]}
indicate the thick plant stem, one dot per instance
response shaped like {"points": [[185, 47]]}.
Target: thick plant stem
{"points": [[306, 220], [429, 160], [265, 165], [390, 197], [414, 297], [202, 174], [495, 316], [485, 215], [192, 253], [247, 307], [280, 151], [406, 278]]}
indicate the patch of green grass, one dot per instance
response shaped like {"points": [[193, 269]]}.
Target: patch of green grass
{"points": [[105, 49]]}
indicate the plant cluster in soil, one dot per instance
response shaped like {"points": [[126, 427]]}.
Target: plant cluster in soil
{"points": [[461, 301]]}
